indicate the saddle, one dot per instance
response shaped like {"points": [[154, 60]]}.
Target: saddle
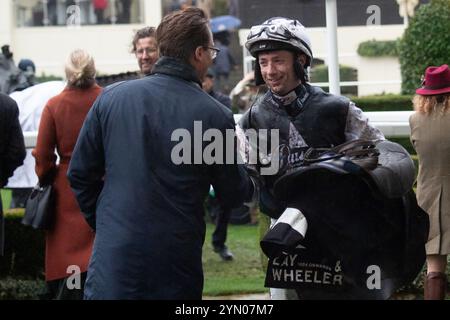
{"points": [[386, 166], [361, 213]]}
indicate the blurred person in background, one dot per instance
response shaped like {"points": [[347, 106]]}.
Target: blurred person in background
{"points": [[184, 4], [20, 183], [233, 8], [125, 13], [224, 62], [29, 70], [145, 49], [430, 136], [245, 93], [209, 86], [207, 6], [12, 148], [69, 241], [11, 77], [99, 10], [31, 103]]}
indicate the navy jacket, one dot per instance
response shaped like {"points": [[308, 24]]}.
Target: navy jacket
{"points": [[222, 98], [147, 210]]}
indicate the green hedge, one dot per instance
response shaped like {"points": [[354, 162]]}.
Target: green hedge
{"points": [[387, 102], [374, 48], [6, 198], [426, 42], [405, 142], [18, 289], [44, 78], [320, 74], [24, 249]]}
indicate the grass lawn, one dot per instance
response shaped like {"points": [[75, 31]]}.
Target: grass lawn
{"points": [[242, 275], [6, 198]]}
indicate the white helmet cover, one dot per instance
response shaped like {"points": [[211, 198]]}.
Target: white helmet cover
{"points": [[279, 34]]}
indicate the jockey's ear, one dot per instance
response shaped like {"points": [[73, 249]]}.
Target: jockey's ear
{"points": [[302, 59]]}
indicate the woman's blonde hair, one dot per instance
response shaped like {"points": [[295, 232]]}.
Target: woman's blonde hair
{"points": [[439, 104], [80, 69]]}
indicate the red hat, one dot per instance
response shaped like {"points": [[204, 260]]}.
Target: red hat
{"points": [[437, 81]]}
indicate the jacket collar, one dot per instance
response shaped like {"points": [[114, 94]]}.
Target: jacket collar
{"points": [[177, 68], [299, 92]]}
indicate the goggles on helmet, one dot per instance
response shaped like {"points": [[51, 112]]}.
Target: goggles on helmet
{"points": [[283, 31], [275, 31]]}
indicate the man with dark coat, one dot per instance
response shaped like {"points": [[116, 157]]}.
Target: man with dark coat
{"points": [[12, 147], [143, 193]]}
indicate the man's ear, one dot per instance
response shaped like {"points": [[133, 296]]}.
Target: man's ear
{"points": [[302, 59], [198, 53]]}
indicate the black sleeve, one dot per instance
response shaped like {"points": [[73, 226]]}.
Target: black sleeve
{"points": [[13, 151]]}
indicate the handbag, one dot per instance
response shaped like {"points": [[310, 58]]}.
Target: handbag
{"points": [[39, 208]]}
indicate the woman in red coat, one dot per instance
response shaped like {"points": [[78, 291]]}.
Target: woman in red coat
{"points": [[69, 241]]}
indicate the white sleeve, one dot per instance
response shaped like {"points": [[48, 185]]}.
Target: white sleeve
{"points": [[246, 152], [358, 126], [238, 89], [243, 145]]}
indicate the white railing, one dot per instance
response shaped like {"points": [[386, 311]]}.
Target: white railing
{"points": [[30, 139], [391, 123], [357, 83]]}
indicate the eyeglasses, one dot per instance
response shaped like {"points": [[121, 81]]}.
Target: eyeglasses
{"points": [[148, 51], [214, 51]]}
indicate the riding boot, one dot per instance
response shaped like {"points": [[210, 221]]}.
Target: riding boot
{"points": [[435, 286]]}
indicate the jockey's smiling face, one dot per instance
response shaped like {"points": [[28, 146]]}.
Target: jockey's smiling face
{"points": [[277, 70]]}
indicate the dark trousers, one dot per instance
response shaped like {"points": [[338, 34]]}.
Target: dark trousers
{"points": [[125, 16], [221, 217], [221, 82], [58, 290], [99, 13], [2, 228], [19, 197]]}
